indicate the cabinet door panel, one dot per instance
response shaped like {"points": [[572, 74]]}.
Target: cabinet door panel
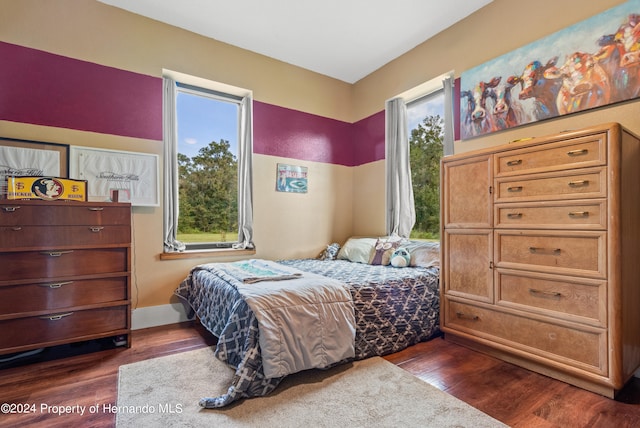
{"points": [[467, 264], [466, 198]]}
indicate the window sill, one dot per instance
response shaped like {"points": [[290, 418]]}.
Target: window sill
{"points": [[199, 254]]}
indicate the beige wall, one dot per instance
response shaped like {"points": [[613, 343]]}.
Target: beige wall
{"points": [[342, 200], [286, 225]]}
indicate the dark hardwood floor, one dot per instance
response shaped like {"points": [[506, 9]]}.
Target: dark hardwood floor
{"points": [[515, 396]]}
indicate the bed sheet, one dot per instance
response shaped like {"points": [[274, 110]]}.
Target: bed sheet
{"points": [[394, 308]]}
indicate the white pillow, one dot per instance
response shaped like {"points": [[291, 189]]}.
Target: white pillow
{"points": [[357, 250], [424, 253]]}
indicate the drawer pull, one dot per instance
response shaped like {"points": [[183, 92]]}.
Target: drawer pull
{"points": [[10, 209], [95, 208], [55, 285], [578, 183], [552, 294], [514, 215], [96, 229], [464, 316], [578, 152], [55, 253], [56, 317], [514, 189], [514, 162], [579, 214], [539, 250], [16, 228]]}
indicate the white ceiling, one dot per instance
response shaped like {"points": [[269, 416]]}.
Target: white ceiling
{"points": [[343, 39]]}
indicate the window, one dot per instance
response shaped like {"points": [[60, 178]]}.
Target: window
{"points": [[208, 130], [419, 128], [207, 166], [425, 122]]}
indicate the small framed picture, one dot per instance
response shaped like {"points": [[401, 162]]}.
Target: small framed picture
{"points": [[291, 178]]}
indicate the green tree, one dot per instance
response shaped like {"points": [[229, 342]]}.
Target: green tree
{"points": [[426, 147], [209, 190]]}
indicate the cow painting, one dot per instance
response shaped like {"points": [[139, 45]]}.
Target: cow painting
{"points": [[570, 71]]}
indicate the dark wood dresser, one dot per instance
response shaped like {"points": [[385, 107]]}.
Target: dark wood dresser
{"points": [[65, 272]]}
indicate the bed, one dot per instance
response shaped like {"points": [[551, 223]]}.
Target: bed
{"points": [[391, 308]]}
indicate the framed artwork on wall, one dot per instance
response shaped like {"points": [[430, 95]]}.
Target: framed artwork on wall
{"points": [[591, 64], [133, 176], [291, 178], [23, 158]]}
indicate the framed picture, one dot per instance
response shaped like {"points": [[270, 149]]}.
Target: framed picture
{"points": [[23, 158], [591, 64], [291, 178], [132, 176]]}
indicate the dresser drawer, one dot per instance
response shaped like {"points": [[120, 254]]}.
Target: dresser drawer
{"points": [[585, 348], [14, 213], [579, 184], [553, 215], [16, 237], [578, 253], [52, 264], [52, 295], [62, 326], [570, 298], [575, 153]]}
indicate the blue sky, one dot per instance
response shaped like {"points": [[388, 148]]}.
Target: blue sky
{"points": [[202, 120], [424, 107]]}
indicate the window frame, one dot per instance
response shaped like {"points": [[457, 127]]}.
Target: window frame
{"points": [[222, 92]]}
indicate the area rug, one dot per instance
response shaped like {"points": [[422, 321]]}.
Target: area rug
{"points": [[164, 392]]}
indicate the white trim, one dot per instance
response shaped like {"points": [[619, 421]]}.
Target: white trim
{"points": [[153, 316], [423, 89], [206, 83]]}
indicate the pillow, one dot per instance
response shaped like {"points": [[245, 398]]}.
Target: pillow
{"points": [[357, 250], [424, 253], [381, 255], [330, 253]]}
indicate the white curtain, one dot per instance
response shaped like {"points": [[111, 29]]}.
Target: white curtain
{"points": [[401, 215], [448, 116], [245, 176], [170, 132]]}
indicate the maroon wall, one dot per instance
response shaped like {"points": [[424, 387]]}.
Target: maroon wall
{"points": [[41, 88], [45, 89]]}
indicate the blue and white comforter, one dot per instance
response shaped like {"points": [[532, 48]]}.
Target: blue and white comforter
{"points": [[394, 308]]}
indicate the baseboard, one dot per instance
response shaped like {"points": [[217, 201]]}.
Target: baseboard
{"points": [[153, 316]]}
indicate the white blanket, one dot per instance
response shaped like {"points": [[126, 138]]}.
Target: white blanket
{"points": [[306, 321]]}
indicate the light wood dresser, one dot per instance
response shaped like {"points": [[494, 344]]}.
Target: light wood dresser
{"points": [[64, 272], [540, 254]]}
